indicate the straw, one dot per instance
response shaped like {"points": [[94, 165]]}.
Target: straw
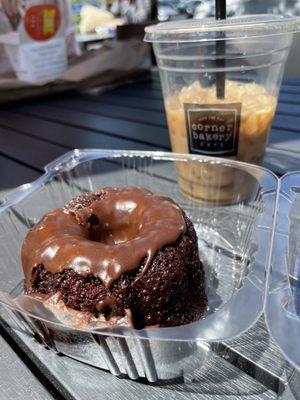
{"points": [[220, 49]]}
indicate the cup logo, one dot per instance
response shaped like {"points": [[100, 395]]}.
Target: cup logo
{"points": [[213, 129], [42, 22]]}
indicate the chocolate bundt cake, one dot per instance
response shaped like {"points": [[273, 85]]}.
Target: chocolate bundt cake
{"points": [[117, 250]]}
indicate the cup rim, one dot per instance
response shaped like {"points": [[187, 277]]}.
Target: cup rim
{"points": [[210, 29]]}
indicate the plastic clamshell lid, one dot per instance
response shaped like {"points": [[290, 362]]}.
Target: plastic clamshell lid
{"points": [[82, 170], [236, 27], [283, 298]]}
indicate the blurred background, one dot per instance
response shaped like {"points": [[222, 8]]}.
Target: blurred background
{"points": [[101, 19]]}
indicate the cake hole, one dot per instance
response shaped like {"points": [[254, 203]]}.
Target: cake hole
{"points": [[112, 232], [93, 220]]}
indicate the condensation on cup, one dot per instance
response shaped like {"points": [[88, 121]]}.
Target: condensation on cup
{"points": [[251, 64]]}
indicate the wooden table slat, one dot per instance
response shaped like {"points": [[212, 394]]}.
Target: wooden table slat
{"points": [[16, 380], [288, 93], [132, 130], [282, 119], [29, 150], [14, 174], [121, 112], [143, 103], [68, 136]]}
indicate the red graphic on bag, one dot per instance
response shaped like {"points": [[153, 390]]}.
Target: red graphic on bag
{"points": [[42, 22]]}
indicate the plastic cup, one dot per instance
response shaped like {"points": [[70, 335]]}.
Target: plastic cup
{"points": [[191, 60]]}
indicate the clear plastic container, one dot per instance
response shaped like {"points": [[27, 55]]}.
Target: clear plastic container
{"points": [[234, 244], [196, 58], [283, 299]]}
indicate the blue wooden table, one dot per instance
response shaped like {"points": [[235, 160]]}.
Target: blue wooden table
{"points": [[33, 133]]}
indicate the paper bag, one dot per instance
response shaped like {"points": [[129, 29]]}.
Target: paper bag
{"points": [[37, 37]]}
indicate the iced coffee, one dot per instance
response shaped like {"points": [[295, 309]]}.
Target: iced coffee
{"points": [[235, 127], [245, 56]]}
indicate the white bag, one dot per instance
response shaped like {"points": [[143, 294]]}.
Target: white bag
{"points": [[37, 38]]}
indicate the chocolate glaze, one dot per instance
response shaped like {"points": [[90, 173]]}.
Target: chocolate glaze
{"points": [[108, 238], [105, 305]]}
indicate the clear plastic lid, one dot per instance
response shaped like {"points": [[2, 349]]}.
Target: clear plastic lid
{"points": [[283, 299], [235, 260], [234, 28]]}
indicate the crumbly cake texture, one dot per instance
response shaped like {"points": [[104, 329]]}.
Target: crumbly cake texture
{"points": [[169, 293]]}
